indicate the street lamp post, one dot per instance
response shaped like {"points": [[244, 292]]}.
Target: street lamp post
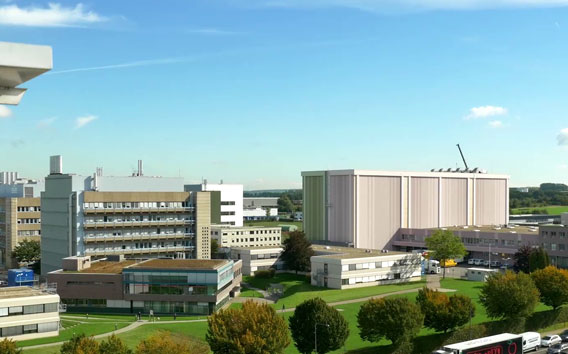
{"points": [[316, 334], [490, 254]]}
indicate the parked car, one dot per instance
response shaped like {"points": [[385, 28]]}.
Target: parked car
{"points": [[564, 335], [557, 348], [486, 263], [505, 266], [548, 341], [478, 262], [495, 264], [471, 261]]}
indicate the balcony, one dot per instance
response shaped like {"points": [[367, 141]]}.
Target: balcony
{"points": [[131, 224], [123, 238], [131, 251], [99, 211]]}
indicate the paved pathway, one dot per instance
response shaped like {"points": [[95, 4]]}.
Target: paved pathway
{"points": [[130, 327]]}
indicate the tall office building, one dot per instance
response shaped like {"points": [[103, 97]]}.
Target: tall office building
{"points": [[19, 214], [231, 200], [134, 216], [365, 209]]}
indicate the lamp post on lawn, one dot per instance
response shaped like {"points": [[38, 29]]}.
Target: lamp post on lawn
{"points": [[316, 334]]}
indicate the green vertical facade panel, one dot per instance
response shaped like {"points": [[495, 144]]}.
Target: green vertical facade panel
{"points": [[215, 207], [314, 207]]}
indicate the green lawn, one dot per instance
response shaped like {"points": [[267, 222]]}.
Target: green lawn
{"points": [[297, 289], [246, 292], [91, 328], [550, 210]]}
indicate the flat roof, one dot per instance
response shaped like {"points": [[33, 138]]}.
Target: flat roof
{"points": [[229, 227], [106, 267], [20, 291], [337, 252], [257, 248], [181, 264], [356, 172]]}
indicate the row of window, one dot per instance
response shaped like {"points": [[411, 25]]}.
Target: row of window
{"points": [[29, 309], [29, 232], [253, 239], [29, 208], [251, 232], [138, 218], [228, 203], [27, 329], [225, 213], [554, 233], [381, 264], [359, 280], [137, 205], [141, 246], [29, 221], [141, 232]]}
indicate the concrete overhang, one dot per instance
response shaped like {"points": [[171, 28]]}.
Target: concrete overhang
{"points": [[18, 64]]}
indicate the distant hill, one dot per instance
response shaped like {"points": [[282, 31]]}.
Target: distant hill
{"points": [[546, 195], [295, 194]]}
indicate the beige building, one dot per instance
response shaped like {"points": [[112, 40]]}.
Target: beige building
{"points": [[27, 313], [246, 236], [136, 216], [346, 268], [258, 258], [365, 209]]}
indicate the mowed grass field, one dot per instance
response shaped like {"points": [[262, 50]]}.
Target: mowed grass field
{"points": [[299, 290], [550, 210], [274, 223]]}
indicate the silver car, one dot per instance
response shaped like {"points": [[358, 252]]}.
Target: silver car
{"points": [[557, 348]]}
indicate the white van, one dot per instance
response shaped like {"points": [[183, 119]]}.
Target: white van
{"points": [[531, 341]]}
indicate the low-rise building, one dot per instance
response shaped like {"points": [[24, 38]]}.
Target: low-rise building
{"points": [[258, 258], [246, 236], [182, 286], [479, 274], [27, 313], [345, 268]]}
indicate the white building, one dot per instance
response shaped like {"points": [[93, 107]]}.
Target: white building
{"points": [[258, 258], [231, 200], [479, 274], [260, 213], [345, 268], [246, 236], [20, 63], [26, 313]]}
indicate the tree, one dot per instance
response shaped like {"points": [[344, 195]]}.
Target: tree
{"points": [[27, 251], [163, 343], [80, 344], [8, 346], [313, 318], [443, 313], [113, 345], [254, 329], [285, 204], [396, 319], [214, 248], [522, 259], [445, 245], [509, 295], [538, 259], [297, 252], [552, 283]]}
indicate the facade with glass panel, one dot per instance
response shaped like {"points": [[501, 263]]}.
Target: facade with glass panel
{"points": [[161, 285], [26, 313]]}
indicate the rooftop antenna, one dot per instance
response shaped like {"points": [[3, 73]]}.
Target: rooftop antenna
{"points": [[463, 158]]}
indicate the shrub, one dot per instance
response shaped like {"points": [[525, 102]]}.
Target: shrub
{"points": [[265, 274]]}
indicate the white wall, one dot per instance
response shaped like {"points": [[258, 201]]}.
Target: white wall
{"points": [[229, 193]]}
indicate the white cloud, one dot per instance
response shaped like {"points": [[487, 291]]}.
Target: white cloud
{"points": [[496, 124], [5, 112], [412, 5], [80, 122], [485, 111], [44, 123], [563, 137], [54, 15]]}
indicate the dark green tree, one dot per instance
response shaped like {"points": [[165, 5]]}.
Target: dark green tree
{"points": [[214, 248], [114, 345], [27, 251], [552, 283], [442, 312], [297, 252], [8, 346], [313, 317], [285, 204], [538, 259], [522, 259], [509, 295], [444, 245], [396, 319]]}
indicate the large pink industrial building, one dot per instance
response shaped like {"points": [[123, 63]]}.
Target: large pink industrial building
{"points": [[365, 209]]}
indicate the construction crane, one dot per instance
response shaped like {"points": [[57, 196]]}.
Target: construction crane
{"points": [[463, 158]]}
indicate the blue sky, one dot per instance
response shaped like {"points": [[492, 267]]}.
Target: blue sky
{"points": [[256, 91]]}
